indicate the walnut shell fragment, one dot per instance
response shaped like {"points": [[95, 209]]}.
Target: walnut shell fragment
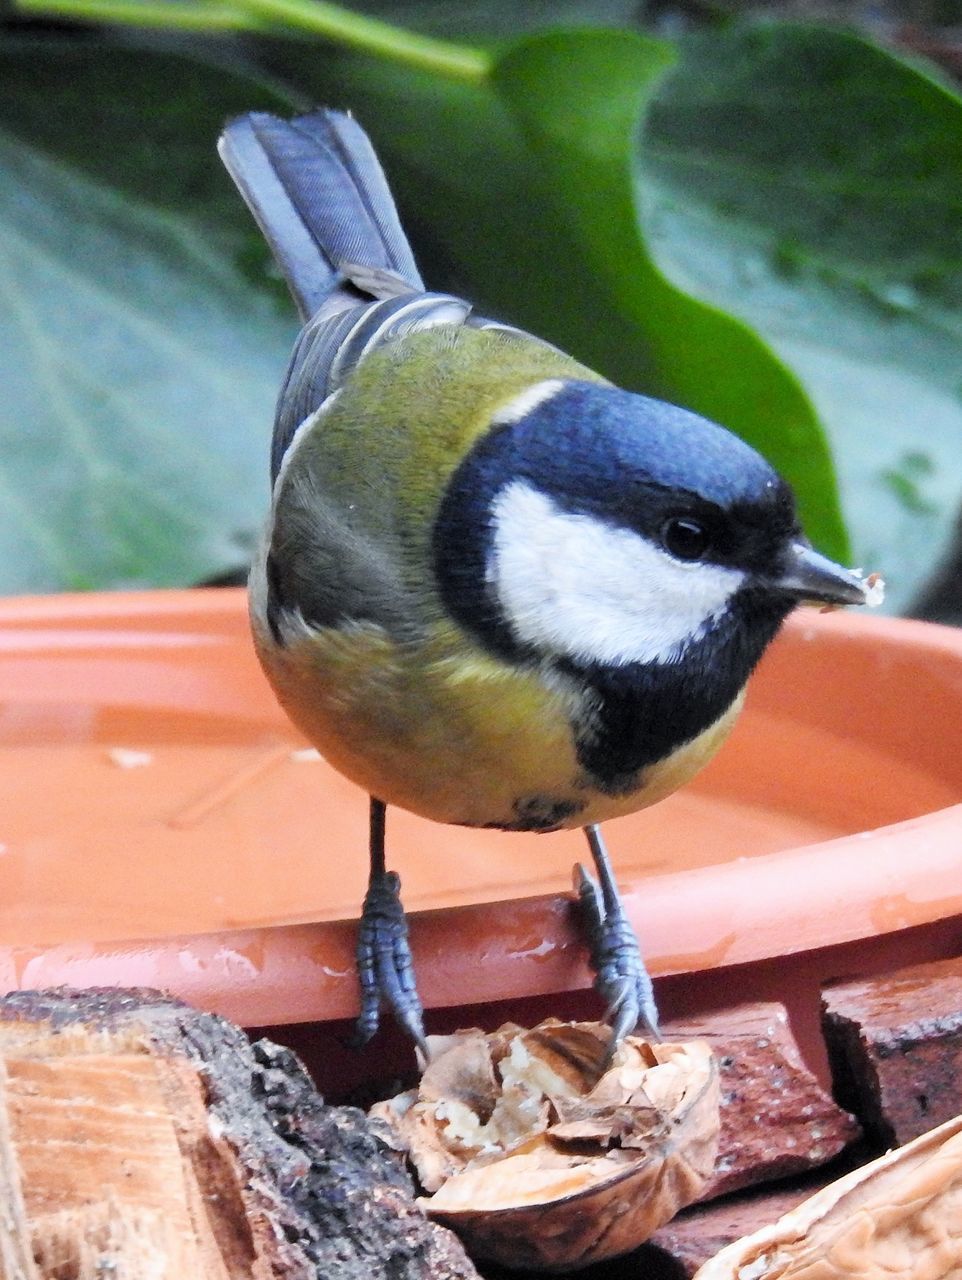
{"points": [[899, 1216], [539, 1159]]}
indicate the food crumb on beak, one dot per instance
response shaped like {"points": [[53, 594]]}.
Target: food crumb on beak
{"points": [[874, 592]]}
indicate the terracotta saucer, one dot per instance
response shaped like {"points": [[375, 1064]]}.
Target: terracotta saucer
{"points": [[161, 823]]}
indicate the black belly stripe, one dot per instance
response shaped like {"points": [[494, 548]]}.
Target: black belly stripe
{"points": [[646, 711]]}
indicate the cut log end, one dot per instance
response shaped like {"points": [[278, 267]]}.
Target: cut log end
{"points": [[142, 1140]]}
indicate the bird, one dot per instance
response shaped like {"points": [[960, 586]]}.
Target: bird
{"points": [[494, 589]]}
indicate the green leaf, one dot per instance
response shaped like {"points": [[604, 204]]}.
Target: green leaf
{"points": [[809, 182], [703, 228], [580, 97], [142, 342], [520, 194]]}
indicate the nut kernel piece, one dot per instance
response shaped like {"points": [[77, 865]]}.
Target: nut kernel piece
{"points": [[539, 1159]]}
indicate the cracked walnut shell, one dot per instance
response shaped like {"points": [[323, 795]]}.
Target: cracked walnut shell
{"points": [[899, 1217], [539, 1156]]}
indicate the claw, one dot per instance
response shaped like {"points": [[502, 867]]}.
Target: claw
{"points": [[385, 968], [624, 1014], [620, 973]]}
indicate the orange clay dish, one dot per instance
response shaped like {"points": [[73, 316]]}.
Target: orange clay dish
{"points": [[162, 824]]}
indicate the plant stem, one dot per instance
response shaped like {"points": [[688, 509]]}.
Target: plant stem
{"points": [[330, 21], [370, 35], [151, 13]]}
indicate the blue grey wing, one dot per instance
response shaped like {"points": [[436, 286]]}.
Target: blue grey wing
{"points": [[318, 193], [323, 572], [329, 347]]}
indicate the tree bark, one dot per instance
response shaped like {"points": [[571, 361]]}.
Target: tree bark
{"points": [[142, 1139]]}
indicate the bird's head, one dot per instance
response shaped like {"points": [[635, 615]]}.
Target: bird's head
{"points": [[603, 529]]}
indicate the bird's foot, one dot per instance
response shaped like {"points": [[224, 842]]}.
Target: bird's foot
{"points": [[384, 964], [620, 973]]}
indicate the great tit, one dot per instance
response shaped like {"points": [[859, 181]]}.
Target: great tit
{"points": [[494, 589]]}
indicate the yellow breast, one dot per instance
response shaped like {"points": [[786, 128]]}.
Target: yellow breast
{"points": [[453, 734]]}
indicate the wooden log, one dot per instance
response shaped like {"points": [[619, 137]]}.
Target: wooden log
{"points": [[142, 1140]]}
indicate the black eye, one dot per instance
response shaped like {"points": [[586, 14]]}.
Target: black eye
{"points": [[684, 538]]}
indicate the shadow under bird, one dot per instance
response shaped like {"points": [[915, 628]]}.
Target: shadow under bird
{"points": [[494, 589]]}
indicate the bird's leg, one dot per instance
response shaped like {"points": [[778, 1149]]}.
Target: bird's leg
{"points": [[384, 965], [620, 973]]}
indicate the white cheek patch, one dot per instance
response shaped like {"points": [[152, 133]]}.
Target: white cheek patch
{"points": [[570, 584]]}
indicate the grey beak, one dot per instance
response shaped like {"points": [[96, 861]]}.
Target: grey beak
{"points": [[810, 576]]}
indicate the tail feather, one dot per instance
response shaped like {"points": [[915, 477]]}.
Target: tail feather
{"points": [[320, 197]]}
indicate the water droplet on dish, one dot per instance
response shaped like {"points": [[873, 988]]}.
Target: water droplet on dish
{"points": [[128, 758]]}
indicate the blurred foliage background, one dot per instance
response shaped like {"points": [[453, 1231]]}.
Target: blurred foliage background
{"points": [[753, 212]]}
